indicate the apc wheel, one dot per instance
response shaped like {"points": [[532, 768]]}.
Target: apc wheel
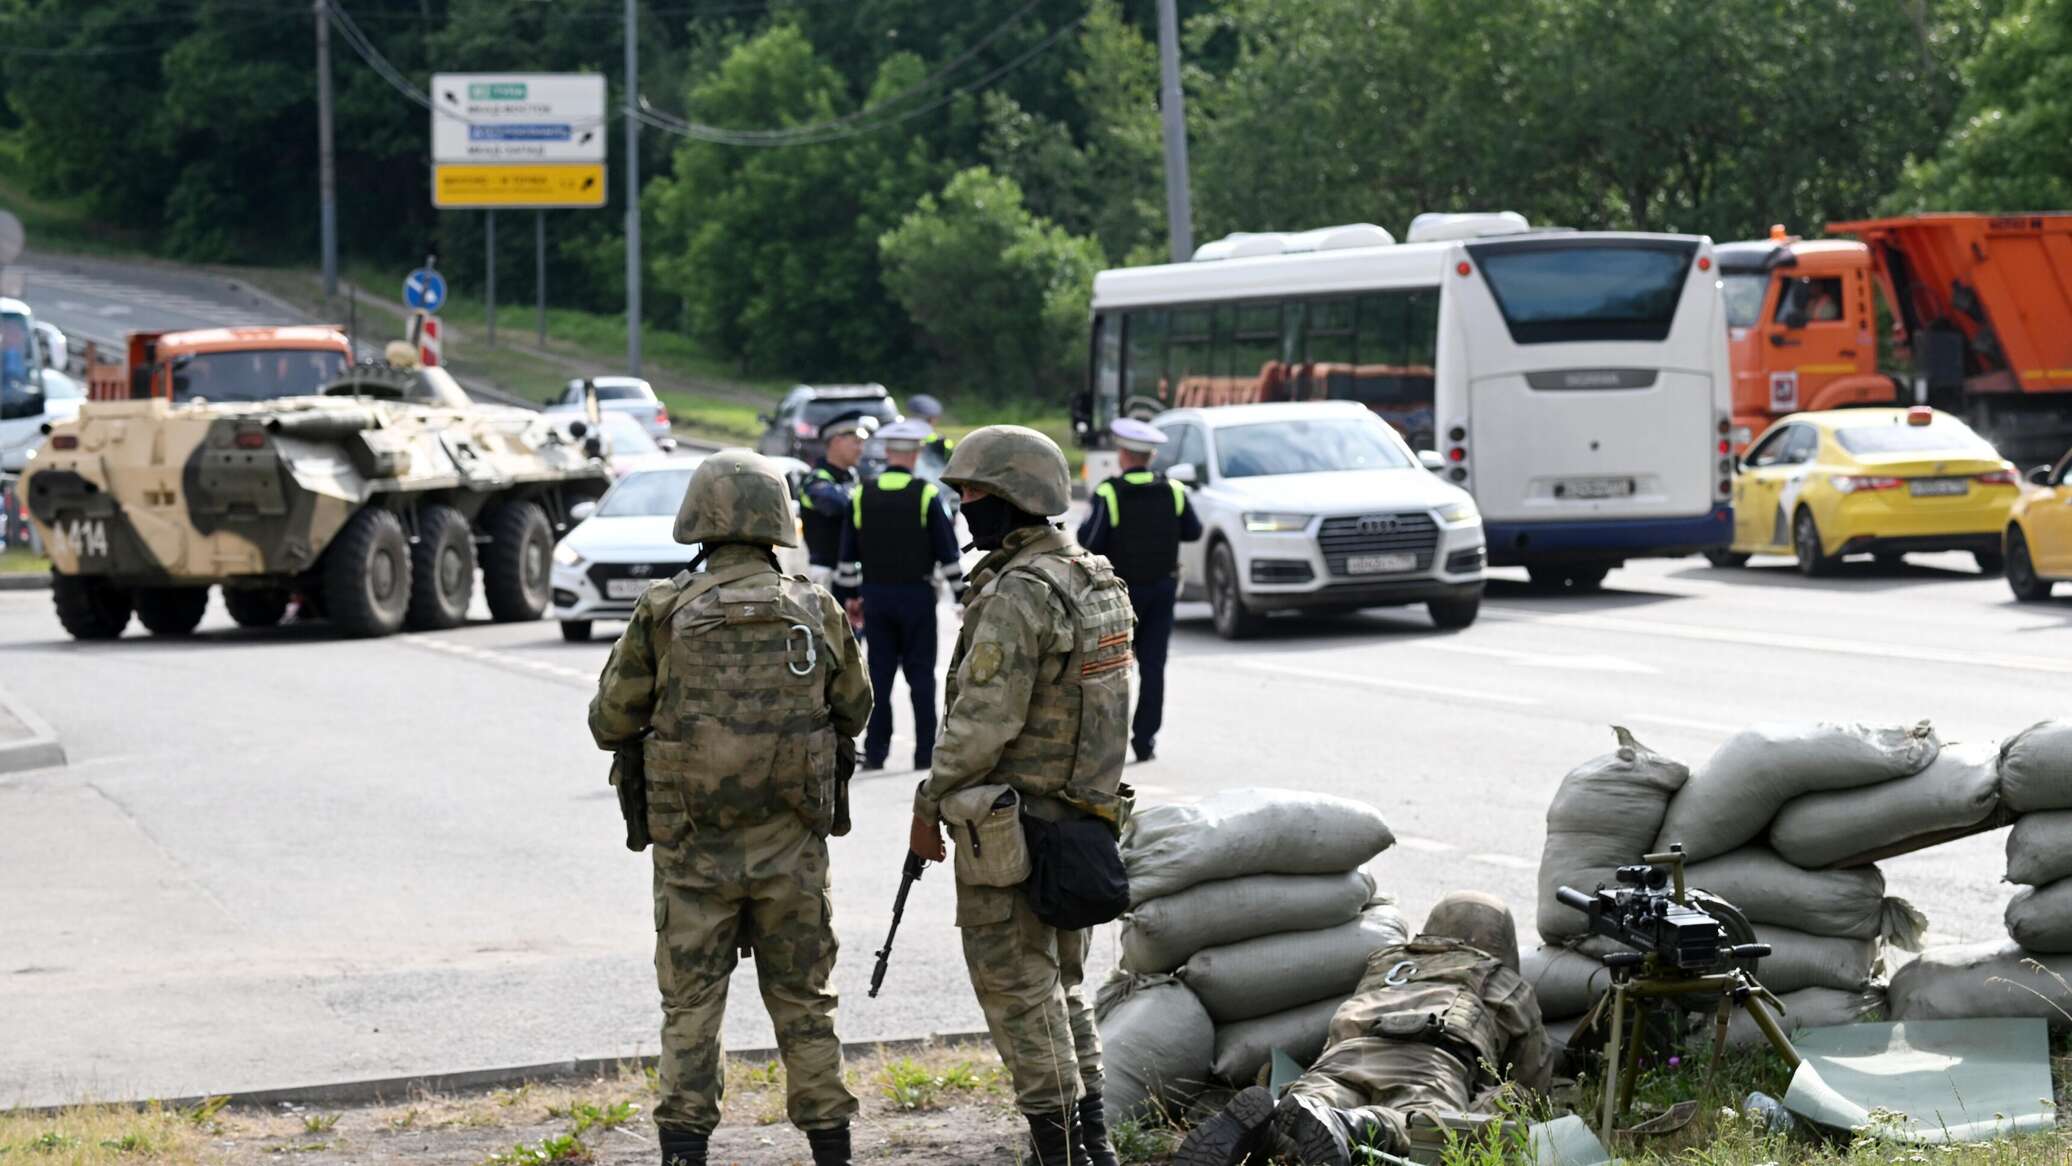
{"points": [[256, 607], [442, 569], [1805, 542], [1234, 621], [367, 575], [1454, 614], [515, 572], [1989, 562], [2022, 579], [1726, 559], [575, 631], [90, 607], [171, 611]]}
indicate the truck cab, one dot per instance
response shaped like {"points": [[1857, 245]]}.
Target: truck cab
{"points": [[224, 364], [1801, 329]]}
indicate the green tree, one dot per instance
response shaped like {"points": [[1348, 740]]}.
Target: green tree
{"points": [[1000, 294], [2010, 148]]}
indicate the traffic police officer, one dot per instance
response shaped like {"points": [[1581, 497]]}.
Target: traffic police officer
{"points": [[743, 691], [928, 411], [824, 495], [1037, 703], [898, 539], [1138, 519]]}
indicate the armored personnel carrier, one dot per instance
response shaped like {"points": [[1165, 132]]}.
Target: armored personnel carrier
{"points": [[369, 502]]}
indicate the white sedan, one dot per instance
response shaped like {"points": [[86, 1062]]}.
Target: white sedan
{"points": [[621, 545], [1318, 506], [632, 396]]}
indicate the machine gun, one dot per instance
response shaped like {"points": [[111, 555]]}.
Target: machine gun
{"points": [[1681, 942], [909, 875]]}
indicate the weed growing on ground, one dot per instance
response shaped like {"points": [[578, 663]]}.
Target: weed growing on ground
{"points": [[565, 1148], [1137, 1142], [910, 1085], [319, 1123]]}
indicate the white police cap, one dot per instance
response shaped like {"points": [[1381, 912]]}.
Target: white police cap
{"points": [[1136, 436], [902, 436], [861, 426]]}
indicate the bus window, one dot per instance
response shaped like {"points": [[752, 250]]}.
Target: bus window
{"points": [[1330, 332], [1188, 359], [1108, 364], [1255, 350], [1143, 368], [1552, 293]]}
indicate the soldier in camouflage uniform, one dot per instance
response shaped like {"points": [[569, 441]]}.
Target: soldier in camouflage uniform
{"points": [[1433, 1025], [1038, 701], [746, 692]]}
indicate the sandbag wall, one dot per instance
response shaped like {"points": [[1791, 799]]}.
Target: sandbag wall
{"points": [[1251, 921]]}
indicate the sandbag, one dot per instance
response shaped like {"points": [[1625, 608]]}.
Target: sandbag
{"points": [[1957, 794], [1156, 1044], [1798, 960], [2036, 768], [1273, 973], [1567, 978], [1604, 816], [1732, 799], [2039, 848], [1159, 935], [1984, 980], [1238, 832], [1243, 1048], [1849, 903], [2040, 918], [1803, 1009]]}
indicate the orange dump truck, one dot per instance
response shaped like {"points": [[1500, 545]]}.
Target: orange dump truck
{"points": [[1984, 302], [223, 364]]}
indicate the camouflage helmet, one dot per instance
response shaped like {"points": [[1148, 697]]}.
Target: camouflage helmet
{"points": [[737, 497], [1478, 920], [1018, 465]]}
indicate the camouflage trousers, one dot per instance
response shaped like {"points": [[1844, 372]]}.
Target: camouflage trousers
{"points": [[766, 886], [1028, 978], [1387, 1081]]}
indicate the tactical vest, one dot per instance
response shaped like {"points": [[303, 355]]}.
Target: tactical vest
{"points": [[823, 528], [1430, 991], [1144, 514], [891, 515], [742, 728], [1072, 743]]}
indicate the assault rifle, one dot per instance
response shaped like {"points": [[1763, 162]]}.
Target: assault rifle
{"points": [[909, 875]]}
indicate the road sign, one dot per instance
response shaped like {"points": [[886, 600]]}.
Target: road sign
{"points": [[424, 290], [458, 186], [431, 339], [518, 117]]}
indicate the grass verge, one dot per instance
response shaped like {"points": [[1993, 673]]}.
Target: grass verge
{"points": [[21, 561]]}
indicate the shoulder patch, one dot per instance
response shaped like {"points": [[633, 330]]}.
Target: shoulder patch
{"points": [[986, 659]]}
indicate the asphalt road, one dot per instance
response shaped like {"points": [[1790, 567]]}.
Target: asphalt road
{"points": [[282, 858], [104, 300]]}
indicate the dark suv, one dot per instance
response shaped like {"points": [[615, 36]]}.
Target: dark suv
{"points": [[794, 429]]}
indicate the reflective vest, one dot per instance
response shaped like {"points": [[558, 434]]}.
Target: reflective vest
{"points": [[891, 514], [742, 729], [1144, 511]]}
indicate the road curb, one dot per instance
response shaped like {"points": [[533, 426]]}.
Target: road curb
{"points": [[379, 1089], [25, 581], [41, 750]]}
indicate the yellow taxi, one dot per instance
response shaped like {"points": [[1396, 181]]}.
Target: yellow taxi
{"points": [[1880, 482], [2039, 533]]}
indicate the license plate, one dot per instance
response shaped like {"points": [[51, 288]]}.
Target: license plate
{"points": [[624, 588], [1938, 487], [1598, 488], [1379, 564]]}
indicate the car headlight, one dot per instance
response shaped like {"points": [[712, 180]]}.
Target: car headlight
{"points": [[1454, 513], [566, 555], [1271, 523]]}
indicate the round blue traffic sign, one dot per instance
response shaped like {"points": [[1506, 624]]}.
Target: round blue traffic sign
{"points": [[424, 290]]}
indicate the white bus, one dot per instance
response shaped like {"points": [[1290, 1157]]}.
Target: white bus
{"points": [[1576, 383]]}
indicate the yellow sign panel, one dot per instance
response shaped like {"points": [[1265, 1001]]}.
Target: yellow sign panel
{"points": [[485, 186]]}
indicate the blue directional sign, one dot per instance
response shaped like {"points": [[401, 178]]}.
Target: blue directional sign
{"points": [[425, 290]]}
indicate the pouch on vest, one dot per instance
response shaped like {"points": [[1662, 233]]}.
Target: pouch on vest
{"points": [[1099, 669], [986, 822], [1076, 876]]}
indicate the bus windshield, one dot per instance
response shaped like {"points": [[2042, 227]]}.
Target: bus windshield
{"points": [[261, 375], [1565, 292]]}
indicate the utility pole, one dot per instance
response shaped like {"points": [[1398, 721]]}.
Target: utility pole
{"points": [[539, 270], [632, 189], [327, 177], [489, 253], [1179, 204]]}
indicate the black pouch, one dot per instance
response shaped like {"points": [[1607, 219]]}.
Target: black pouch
{"points": [[1076, 877], [629, 778]]}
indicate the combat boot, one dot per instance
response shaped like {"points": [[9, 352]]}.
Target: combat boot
{"points": [[830, 1147], [682, 1147], [1093, 1133], [1320, 1134], [1232, 1135], [1054, 1137]]}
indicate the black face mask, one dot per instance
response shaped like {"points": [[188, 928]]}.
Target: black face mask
{"points": [[990, 520]]}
